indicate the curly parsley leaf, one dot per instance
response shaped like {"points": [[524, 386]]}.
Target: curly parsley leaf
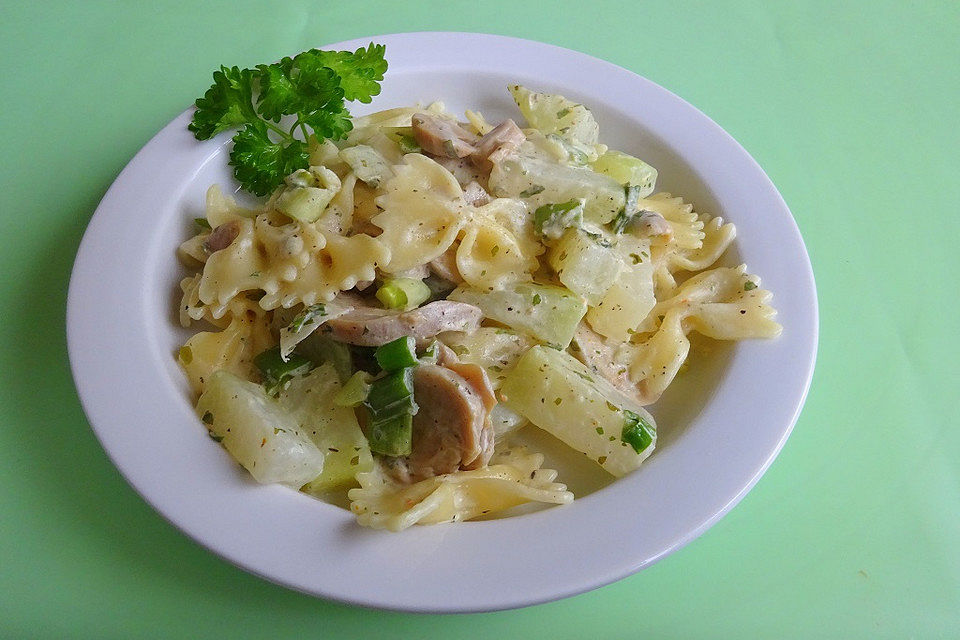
{"points": [[260, 164], [360, 72], [298, 86], [307, 90], [228, 103]]}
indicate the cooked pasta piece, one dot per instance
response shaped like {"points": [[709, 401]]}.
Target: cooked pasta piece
{"points": [[513, 477], [422, 213], [724, 303]]}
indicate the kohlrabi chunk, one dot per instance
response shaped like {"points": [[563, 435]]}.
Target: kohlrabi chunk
{"points": [[258, 431], [559, 394], [549, 314]]}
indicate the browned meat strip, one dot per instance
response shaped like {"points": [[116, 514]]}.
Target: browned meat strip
{"points": [[451, 431], [591, 349], [372, 327], [440, 137], [222, 237], [501, 140]]}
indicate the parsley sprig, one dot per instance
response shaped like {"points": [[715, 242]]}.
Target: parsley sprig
{"points": [[309, 89]]}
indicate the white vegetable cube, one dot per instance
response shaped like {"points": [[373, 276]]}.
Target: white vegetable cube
{"points": [[368, 163], [549, 314], [584, 265], [630, 299], [258, 432], [627, 169], [559, 394], [542, 182], [332, 428]]}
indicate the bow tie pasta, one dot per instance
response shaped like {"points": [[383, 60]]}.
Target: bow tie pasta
{"points": [[388, 325]]}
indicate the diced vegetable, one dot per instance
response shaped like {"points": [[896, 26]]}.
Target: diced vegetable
{"points": [[308, 193], [550, 113], [321, 348], [571, 151], [258, 432], [334, 429], [551, 220], [631, 297], [354, 391], [637, 432], [369, 165], [549, 182], [629, 211], [277, 372], [392, 407], [559, 394], [391, 433], [403, 293], [549, 314], [585, 266], [505, 420], [627, 170], [398, 354], [403, 136]]}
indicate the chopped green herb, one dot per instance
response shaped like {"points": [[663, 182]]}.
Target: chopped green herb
{"points": [[563, 113], [637, 432], [207, 418], [551, 220], [749, 285], [214, 436], [531, 191], [307, 316], [537, 299], [202, 223]]}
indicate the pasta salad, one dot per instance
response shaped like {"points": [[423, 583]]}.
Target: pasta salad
{"points": [[427, 288]]}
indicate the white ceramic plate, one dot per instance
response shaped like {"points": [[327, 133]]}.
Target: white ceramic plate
{"points": [[717, 435]]}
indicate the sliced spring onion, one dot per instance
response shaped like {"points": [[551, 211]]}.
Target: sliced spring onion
{"points": [[354, 391], [630, 209], [277, 372], [393, 389], [392, 407], [636, 431], [403, 293], [550, 220], [397, 354], [391, 435]]}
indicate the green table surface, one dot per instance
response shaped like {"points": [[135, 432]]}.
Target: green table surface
{"points": [[850, 107]]}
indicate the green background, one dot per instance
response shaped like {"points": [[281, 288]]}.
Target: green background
{"points": [[852, 110]]}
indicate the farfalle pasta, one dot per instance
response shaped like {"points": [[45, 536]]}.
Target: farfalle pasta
{"points": [[388, 325]]}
